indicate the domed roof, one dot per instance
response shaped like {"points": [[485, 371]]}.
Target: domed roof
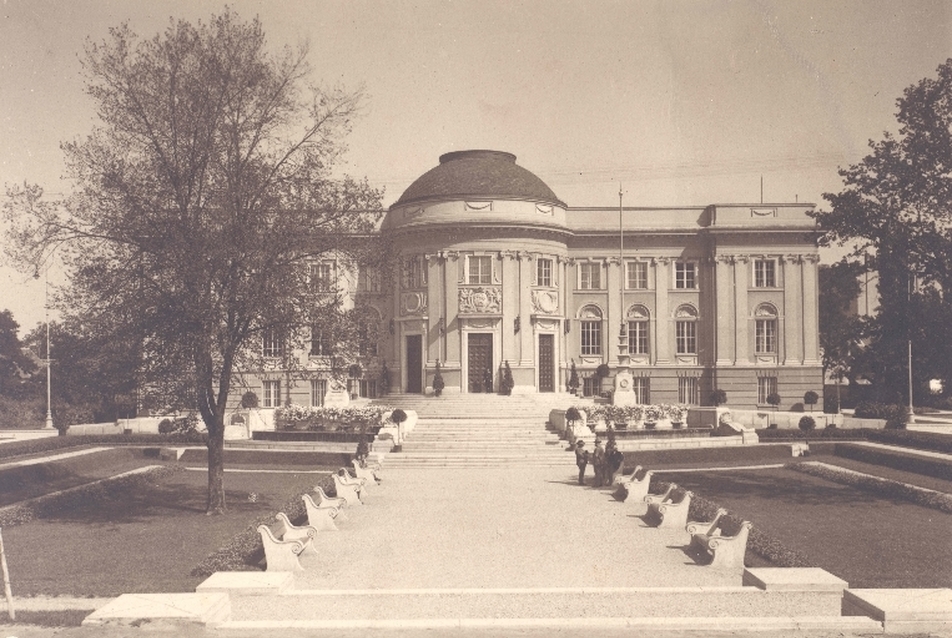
{"points": [[478, 174]]}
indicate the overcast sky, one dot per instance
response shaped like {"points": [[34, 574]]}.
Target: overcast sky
{"points": [[684, 103]]}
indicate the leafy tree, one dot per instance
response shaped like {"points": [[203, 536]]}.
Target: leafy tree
{"points": [[840, 328], [205, 193], [894, 212], [15, 366]]}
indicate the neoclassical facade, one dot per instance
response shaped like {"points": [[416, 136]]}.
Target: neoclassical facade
{"points": [[492, 268]]}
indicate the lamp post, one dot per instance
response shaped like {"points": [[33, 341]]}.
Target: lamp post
{"points": [[48, 360]]}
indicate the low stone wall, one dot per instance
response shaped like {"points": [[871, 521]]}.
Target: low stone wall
{"points": [[760, 419]]}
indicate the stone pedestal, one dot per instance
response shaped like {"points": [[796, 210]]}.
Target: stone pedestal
{"points": [[624, 389], [337, 395]]}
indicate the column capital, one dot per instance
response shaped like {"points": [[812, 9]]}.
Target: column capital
{"points": [[793, 259]]}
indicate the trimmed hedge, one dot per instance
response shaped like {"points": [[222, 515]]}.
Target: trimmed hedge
{"points": [[758, 542], [244, 552], [770, 435], [80, 497], [932, 441], [897, 460], [314, 435], [878, 486], [675, 433]]}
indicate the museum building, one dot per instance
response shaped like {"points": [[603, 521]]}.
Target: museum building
{"points": [[492, 269]]}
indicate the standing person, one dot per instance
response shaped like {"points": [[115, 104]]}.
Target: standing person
{"points": [[613, 461], [581, 460], [598, 460]]}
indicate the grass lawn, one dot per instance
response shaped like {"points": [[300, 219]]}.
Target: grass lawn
{"points": [[29, 481], [147, 541], [867, 540]]}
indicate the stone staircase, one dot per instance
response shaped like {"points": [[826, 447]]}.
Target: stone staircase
{"points": [[480, 430]]}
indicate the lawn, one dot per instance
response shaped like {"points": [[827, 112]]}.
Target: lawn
{"points": [[867, 540], [29, 481], [147, 541]]}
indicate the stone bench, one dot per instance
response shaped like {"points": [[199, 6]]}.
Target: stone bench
{"points": [[281, 555], [320, 517], [285, 530], [725, 552], [670, 513], [323, 500], [369, 473], [636, 488], [650, 499], [350, 489]]}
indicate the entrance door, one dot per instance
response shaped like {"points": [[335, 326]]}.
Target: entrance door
{"points": [[480, 362], [415, 364], [546, 363]]}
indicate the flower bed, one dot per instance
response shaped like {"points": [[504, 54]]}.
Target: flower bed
{"points": [[303, 417], [633, 416]]}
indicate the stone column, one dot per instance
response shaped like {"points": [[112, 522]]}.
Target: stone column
{"points": [[434, 309], [741, 309], [661, 319], [790, 323], [525, 263], [811, 320], [510, 306], [725, 309], [453, 328]]}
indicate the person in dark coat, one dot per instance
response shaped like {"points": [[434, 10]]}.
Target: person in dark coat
{"points": [[598, 460], [581, 460]]}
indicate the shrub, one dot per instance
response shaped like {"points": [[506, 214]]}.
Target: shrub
{"points": [[810, 398], [249, 400], [398, 416], [602, 371], [166, 426], [807, 423], [303, 417], [507, 383], [384, 379], [354, 371], [718, 397], [773, 399], [573, 379], [572, 415]]}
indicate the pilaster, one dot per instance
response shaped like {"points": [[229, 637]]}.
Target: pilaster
{"points": [[741, 309], [434, 294], [525, 262], [452, 266], [661, 328], [725, 309], [811, 320], [791, 326]]}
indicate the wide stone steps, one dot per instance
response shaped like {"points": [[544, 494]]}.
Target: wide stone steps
{"points": [[328, 606]]}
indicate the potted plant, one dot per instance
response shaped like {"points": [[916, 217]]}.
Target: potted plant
{"points": [[384, 379], [249, 400], [573, 379], [652, 414], [398, 416], [718, 397], [810, 398], [773, 399], [438, 383], [572, 416]]}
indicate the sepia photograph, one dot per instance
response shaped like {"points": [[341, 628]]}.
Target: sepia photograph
{"points": [[476, 319]]}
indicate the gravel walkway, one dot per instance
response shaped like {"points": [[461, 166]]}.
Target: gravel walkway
{"points": [[477, 528]]}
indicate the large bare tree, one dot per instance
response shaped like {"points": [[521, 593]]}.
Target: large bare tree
{"points": [[202, 195]]}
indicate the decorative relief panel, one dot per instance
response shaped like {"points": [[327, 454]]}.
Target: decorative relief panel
{"points": [[545, 210], [482, 206], [480, 300], [480, 324], [413, 303], [545, 302], [763, 212], [547, 324]]}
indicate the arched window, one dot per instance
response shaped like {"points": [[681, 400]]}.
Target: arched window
{"points": [[591, 330], [765, 329], [685, 329], [638, 318]]}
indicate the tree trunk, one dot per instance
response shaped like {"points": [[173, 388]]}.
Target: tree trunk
{"points": [[216, 471]]}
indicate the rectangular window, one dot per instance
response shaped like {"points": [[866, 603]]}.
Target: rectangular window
{"points": [[685, 275], [590, 275], [414, 275], [544, 272], [321, 345], [271, 393], [685, 337], [321, 276], [642, 388], [591, 386], [368, 279], [637, 337], [318, 392], [765, 336], [637, 275], [765, 387], [765, 273], [480, 269], [272, 344], [591, 338], [689, 391], [367, 388]]}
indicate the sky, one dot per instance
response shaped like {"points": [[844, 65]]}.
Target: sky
{"points": [[678, 103]]}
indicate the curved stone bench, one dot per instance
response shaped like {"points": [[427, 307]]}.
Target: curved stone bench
{"points": [[320, 517], [670, 513], [281, 555], [726, 552], [349, 489]]}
